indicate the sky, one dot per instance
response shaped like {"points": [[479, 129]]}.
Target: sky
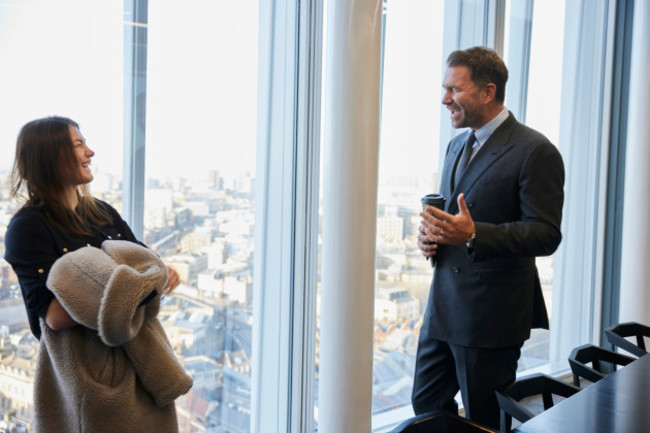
{"points": [[66, 58], [47, 69], [412, 86]]}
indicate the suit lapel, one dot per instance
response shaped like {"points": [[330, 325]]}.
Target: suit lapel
{"points": [[496, 146], [455, 151]]}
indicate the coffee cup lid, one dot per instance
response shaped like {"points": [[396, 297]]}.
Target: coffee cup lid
{"points": [[429, 198]]}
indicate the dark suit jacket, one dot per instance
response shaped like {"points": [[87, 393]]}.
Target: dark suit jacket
{"points": [[491, 296]]}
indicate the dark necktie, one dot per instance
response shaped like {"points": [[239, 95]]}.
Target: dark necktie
{"points": [[464, 158]]}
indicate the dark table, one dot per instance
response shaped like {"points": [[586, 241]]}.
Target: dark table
{"points": [[619, 403]]}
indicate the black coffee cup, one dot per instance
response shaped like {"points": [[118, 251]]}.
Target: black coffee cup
{"points": [[435, 200]]}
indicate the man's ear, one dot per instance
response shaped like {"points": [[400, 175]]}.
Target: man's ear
{"points": [[489, 92]]}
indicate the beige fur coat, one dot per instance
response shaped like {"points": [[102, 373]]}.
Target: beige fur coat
{"points": [[116, 371]]}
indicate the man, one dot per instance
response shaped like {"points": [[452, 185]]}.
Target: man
{"points": [[502, 210]]}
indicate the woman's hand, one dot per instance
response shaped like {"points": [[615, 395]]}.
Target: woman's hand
{"points": [[173, 280], [57, 318]]}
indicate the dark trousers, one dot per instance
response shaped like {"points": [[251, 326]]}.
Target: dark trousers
{"points": [[442, 369]]}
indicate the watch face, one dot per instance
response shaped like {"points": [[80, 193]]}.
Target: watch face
{"points": [[470, 241]]}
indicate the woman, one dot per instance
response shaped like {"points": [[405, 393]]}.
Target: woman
{"points": [[52, 172], [52, 165]]}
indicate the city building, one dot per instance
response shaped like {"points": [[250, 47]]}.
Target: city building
{"points": [[395, 305]]}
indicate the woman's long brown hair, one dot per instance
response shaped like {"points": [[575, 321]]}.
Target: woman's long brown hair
{"points": [[44, 151]]}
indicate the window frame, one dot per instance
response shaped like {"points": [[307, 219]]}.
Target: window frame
{"points": [[135, 84], [288, 161]]}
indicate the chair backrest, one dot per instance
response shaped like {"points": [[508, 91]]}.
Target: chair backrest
{"points": [[581, 356], [440, 421], [616, 334], [529, 386]]}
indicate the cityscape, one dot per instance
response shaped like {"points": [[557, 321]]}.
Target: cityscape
{"points": [[205, 231]]}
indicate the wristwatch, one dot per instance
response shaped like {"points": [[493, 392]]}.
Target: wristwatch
{"points": [[471, 240]]}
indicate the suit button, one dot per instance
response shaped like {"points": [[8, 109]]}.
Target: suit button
{"points": [[456, 269]]}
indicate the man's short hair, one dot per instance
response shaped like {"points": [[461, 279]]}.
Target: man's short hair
{"points": [[485, 66]]}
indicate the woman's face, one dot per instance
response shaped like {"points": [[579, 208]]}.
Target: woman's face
{"points": [[82, 174]]}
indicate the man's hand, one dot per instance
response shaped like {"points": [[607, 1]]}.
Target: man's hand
{"points": [[443, 228], [426, 243]]}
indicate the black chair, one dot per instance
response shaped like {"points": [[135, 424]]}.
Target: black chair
{"points": [[529, 386], [588, 353], [439, 421], [617, 334]]}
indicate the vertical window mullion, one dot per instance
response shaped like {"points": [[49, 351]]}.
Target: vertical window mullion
{"points": [[307, 175], [616, 166], [286, 216], [135, 91], [521, 22]]}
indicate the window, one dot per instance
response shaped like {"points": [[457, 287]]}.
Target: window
{"points": [[199, 208], [59, 58], [408, 169], [534, 58], [200, 99]]}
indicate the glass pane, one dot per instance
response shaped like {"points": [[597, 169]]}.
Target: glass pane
{"points": [[199, 209], [58, 58], [66, 58], [408, 169], [543, 114]]}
